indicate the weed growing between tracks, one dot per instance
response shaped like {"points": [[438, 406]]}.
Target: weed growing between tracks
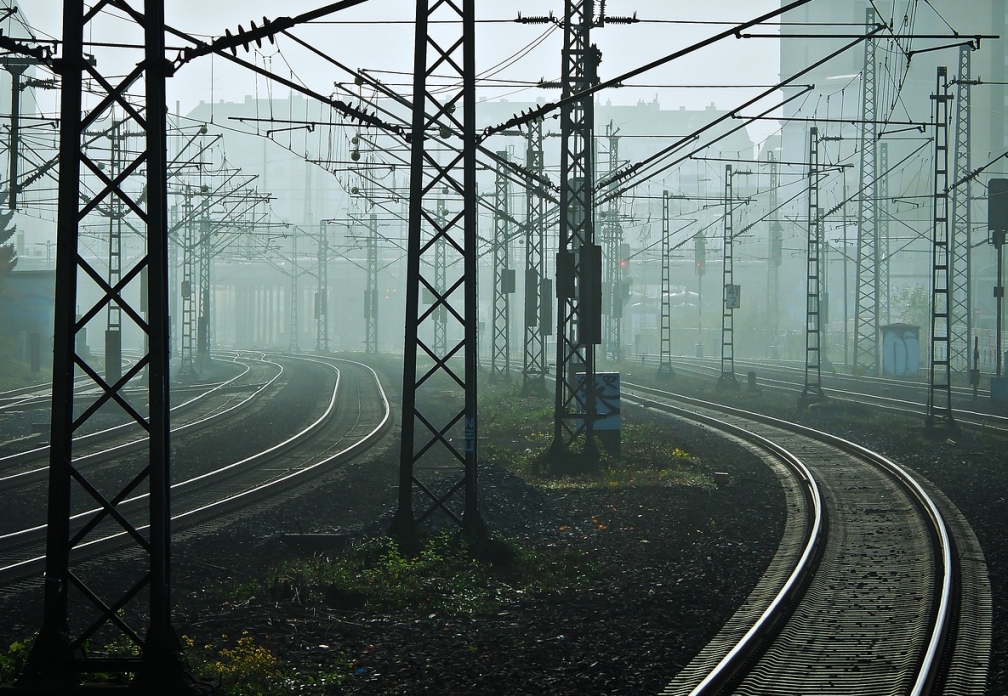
{"points": [[371, 578], [248, 668], [514, 433], [447, 577]]}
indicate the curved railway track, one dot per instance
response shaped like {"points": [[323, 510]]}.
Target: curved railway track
{"points": [[217, 474], [878, 586], [198, 404], [905, 397]]}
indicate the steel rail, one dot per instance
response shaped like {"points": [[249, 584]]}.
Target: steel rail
{"points": [[902, 406], [807, 562], [931, 661], [33, 475], [231, 502]]}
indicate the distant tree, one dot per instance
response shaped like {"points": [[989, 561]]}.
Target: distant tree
{"points": [[914, 306]]}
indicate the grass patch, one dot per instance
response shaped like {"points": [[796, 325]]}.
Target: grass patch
{"points": [[448, 576], [243, 667], [516, 431], [14, 659]]}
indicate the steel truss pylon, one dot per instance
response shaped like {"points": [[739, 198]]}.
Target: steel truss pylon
{"points": [[187, 367], [440, 280], [612, 237], [961, 242], [203, 315], [295, 298], [538, 288], [579, 263], [439, 437], [729, 289], [813, 358], [322, 291], [774, 260], [882, 221], [867, 282], [665, 338], [87, 604], [939, 406], [371, 289], [113, 326], [503, 274]]}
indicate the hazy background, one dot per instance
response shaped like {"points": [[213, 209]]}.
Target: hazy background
{"points": [[378, 36]]}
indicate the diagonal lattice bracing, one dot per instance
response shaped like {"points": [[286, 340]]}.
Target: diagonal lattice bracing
{"points": [[960, 319], [867, 281], [612, 238], [87, 604], [503, 275], [579, 263], [538, 288], [439, 428]]}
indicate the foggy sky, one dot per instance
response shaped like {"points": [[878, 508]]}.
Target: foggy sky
{"points": [[388, 47]]}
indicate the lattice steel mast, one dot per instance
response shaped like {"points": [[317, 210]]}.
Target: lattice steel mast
{"points": [[939, 406], [961, 317], [71, 590], [882, 222], [579, 264], [503, 274], [322, 291], [538, 288], [612, 237], [728, 298], [113, 325], [442, 438], [295, 297], [867, 282], [187, 341], [665, 349], [371, 288], [774, 259], [813, 359]]}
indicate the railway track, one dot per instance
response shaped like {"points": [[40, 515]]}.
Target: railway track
{"points": [[904, 397], [352, 412], [103, 454], [878, 586]]}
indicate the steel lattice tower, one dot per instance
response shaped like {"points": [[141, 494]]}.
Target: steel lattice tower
{"points": [[882, 222], [371, 289], [440, 280], [438, 440], [728, 283], [322, 291], [612, 235], [113, 325], [295, 299], [961, 242], [187, 344], [579, 265], [538, 289], [665, 351], [939, 407], [813, 359], [81, 603], [774, 258], [203, 314], [503, 275], [867, 282]]}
